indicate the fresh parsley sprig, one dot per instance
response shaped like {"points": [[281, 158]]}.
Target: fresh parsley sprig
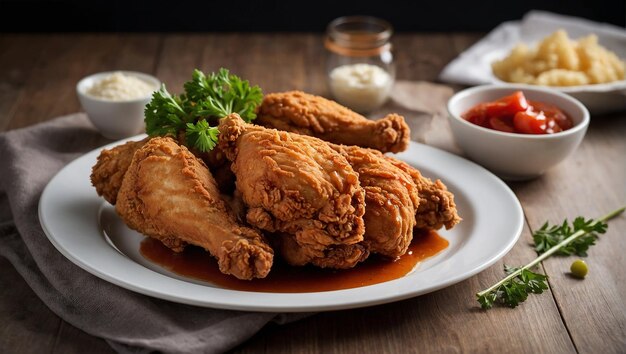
{"points": [[220, 94], [520, 283], [549, 240], [206, 99], [164, 114], [549, 236], [201, 135]]}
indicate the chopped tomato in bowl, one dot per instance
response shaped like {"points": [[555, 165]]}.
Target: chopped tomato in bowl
{"points": [[515, 114], [517, 131]]}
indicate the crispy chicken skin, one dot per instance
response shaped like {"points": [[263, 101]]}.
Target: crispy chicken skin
{"points": [[436, 207], [391, 200], [299, 186], [303, 113], [108, 172], [169, 194], [335, 256]]}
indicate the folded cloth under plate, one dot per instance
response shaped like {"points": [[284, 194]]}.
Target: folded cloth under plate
{"points": [[130, 322]]}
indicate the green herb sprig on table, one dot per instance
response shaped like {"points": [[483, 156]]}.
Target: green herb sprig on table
{"points": [[206, 99], [562, 240], [549, 236]]}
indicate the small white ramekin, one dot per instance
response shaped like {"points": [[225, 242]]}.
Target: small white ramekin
{"points": [[514, 156]]}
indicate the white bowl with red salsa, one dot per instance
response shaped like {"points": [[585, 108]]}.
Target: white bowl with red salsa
{"points": [[517, 131]]}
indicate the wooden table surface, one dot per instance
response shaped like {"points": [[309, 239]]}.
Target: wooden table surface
{"points": [[38, 74]]}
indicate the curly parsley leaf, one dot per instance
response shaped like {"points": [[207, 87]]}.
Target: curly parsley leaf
{"points": [[516, 289], [549, 236], [561, 239], [164, 114], [220, 94], [201, 135], [206, 99]]}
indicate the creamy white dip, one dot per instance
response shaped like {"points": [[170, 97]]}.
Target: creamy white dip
{"points": [[361, 87], [120, 87]]}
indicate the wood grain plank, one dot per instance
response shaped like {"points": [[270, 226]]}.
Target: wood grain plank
{"points": [[50, 90], [275, 62], [594, 308], [462, 41], [421, 56], [280, 62], [180, 54], [18, 55]]}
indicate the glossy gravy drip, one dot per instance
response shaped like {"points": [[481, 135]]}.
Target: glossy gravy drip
{"points": [[196, 263]]}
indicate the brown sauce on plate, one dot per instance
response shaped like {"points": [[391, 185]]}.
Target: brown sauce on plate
{"points": [[196, 263]]}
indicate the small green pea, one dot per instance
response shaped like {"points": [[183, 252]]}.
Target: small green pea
{"points": [[579, 268]]}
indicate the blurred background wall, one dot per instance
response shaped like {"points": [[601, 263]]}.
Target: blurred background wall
{"points": [[282, 15]]}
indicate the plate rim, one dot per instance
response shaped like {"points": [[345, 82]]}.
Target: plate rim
{"points": [[278, 306]]}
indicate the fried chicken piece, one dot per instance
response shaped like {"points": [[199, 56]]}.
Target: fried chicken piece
{"points": [[297, 185], [307, 114], [436, 207], [294, 254], [217, 162], [391, 200], [169, 194], [108, 172]]}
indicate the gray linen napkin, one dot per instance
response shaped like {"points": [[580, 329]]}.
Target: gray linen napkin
{"points": [[130, 322]]}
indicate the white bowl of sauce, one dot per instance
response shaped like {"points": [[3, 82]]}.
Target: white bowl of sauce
{"points": [[115, 101], [516, 155]]}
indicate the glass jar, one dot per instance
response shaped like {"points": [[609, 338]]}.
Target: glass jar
{"points": [[360, 65]]}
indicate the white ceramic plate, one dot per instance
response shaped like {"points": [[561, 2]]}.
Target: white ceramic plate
{"points": [[86, 229]]}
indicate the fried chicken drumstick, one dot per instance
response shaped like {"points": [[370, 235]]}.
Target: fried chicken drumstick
{"points": [[307, 114], [299, 188], [108, 172], [169, 194], [391, 200], [436, 207]]}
